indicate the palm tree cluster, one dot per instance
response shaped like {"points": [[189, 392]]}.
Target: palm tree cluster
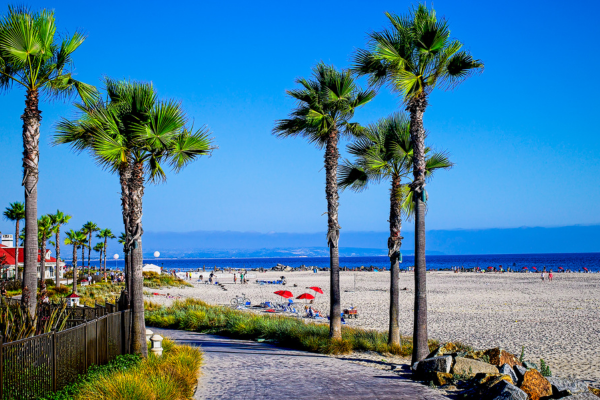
{"points": [[130, 132], [413, 56]]}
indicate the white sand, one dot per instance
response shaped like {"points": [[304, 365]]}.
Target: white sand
{"points": [[558, 321]]}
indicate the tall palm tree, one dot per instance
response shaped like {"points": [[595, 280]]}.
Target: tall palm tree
{"points": [[76, 239], [89, 228], [35, 58], [134, 135], [58, 219], [83, 247], [325, 105], [413, 57], [45, 230], [105, 234], [99, 248], [384, 151], [15, 212]]}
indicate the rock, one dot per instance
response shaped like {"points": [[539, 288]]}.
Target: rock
{"points": [[564, 387], [530, 365], [595, 391], [581, 396], [414, 366], [441, 378], [535, 385], [500, 357], [448, 348], [520, 372], [504, 391], [436, 364], [467, 366], [490, 380], [506, 369], [288, 269]]}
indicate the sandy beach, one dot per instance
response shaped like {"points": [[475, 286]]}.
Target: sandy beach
{"points": [[558, 321]]}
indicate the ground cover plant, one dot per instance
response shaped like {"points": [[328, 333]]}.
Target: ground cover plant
{"points": [[195, 315], [174, 375], [158, 281]]}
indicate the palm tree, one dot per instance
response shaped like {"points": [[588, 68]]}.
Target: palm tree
{"points": [[414, 56], [384, 152], [98, 248], [89, 228], [325, 106], [76, 239], [135, 135], [83, 247], [45, 230], [34, 57], [15, 212], [58, 220], [105, 234]]}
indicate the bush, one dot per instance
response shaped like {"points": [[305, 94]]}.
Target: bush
{"points": [[195, 315], [157, 281]]}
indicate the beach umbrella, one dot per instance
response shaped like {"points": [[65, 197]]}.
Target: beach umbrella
{"points": [[305, 296], [585, 269], [316, 289], [560, 268], [286, 294], [525, 268], [534, 268]]}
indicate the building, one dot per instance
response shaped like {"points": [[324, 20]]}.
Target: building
{"points": [[8, 270], [7, 240]]}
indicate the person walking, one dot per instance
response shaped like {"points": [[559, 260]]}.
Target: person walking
{"points": [[543, 276], [550, 276], [234, 278]]}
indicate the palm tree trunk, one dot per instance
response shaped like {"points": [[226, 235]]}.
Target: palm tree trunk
{"points": [[89, 250], [105, 251], [394, 243], [17, 251], [138, 329], [417, 135], [74, 268], [57, 247], [83, 258], [333, 233], [31, 140], [124, 178], [43, 263]]}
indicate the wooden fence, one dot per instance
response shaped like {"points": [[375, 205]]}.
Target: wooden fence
{"points": [[33, 367]]}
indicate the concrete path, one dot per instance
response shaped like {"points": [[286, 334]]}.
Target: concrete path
{"points": [[241, 369]]}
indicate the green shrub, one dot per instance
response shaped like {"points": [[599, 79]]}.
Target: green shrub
{"points": [[544, 368]]}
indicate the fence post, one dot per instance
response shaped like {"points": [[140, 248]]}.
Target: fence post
{"points": [[106, 332], [1, 366], [97, 345], [54, 363], [85, 365]]}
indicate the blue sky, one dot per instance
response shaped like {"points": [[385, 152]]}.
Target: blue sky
{"points": [[522, 134]]}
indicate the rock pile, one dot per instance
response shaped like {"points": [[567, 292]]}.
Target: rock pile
{"points": [[496, 374]]}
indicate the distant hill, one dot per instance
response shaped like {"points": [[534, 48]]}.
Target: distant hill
{"points": [[567, 239]]}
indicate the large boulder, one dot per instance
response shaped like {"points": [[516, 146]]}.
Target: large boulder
{"points": [[441, 378], [530, 365], [535, 385], [432, 365], [447, 348], [500, 357], [594, 390], [467, 366], [504, 391], [490, 380], [520, 372], [581, 396], [564, 387], [507, 370]]}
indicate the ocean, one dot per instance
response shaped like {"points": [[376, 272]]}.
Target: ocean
{"points": [[572, 261]]}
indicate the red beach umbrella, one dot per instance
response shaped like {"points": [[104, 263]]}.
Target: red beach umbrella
{"points": [[525, 268], [585, 269], [316, 289], [534, 268], [286, 294], [560, 268], [305, 296]]}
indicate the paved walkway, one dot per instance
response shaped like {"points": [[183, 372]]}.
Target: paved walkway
{"points": [[241, 369]]}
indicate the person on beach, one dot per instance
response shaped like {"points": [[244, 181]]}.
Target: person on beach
{"points": [[550, 276], [543, 276], [234, 279]]}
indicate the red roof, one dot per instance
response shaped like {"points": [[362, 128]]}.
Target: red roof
{"points": [[72, 296], [9, 252]]}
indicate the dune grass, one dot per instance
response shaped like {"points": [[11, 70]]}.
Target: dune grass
{"points": [[195, 315], [173, 376], [158, 281]]}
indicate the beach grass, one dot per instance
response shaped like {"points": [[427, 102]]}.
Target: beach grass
{"points": [[174, 375], [198, 316], [158, 281]]}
